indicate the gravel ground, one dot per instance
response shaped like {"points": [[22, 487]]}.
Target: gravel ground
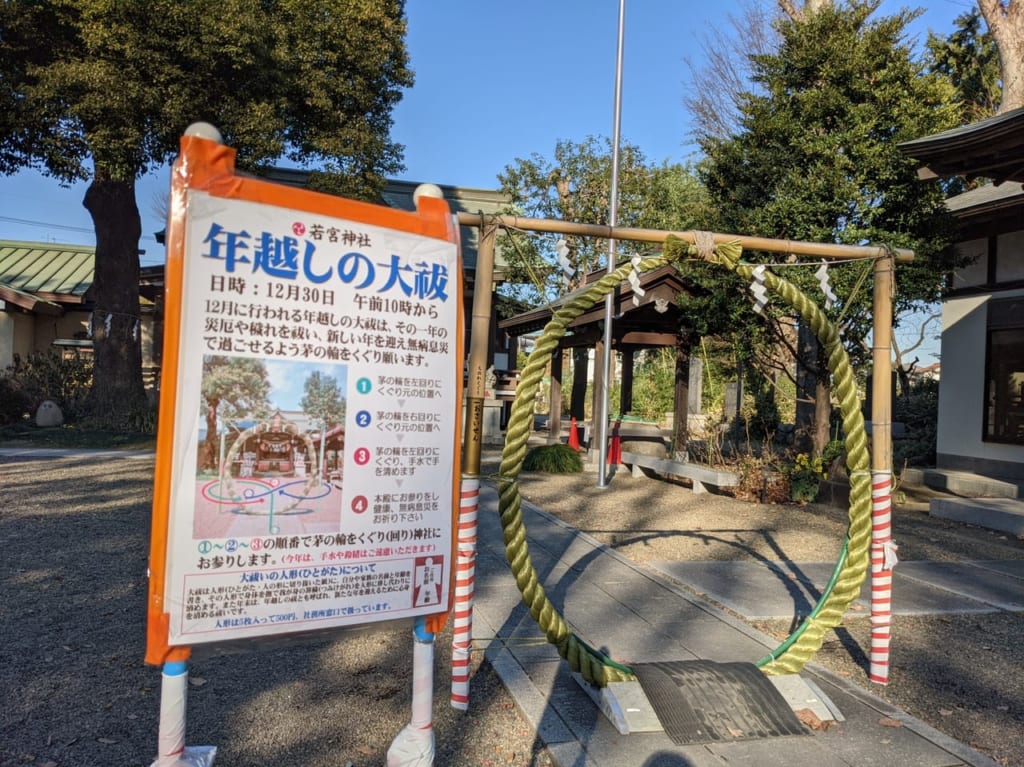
{"points": [[962, 674], [74, 534], [75, 692]]}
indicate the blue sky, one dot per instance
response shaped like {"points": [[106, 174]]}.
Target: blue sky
{"points": [[494, 81], [288, 381]]}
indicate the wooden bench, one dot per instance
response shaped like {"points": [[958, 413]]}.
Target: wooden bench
{"points": [[701, 476]]}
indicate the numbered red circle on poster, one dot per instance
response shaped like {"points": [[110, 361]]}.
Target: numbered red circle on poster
{"points": [[362, 456], [360, 504]]}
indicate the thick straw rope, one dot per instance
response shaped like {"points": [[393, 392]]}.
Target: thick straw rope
{"points": [[844, 586]]}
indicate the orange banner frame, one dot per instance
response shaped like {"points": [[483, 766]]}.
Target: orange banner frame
{"points": [[209, 166]]}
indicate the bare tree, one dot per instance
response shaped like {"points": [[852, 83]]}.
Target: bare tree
{"points": [[1006, 23], [903, 368], [721, 77]]}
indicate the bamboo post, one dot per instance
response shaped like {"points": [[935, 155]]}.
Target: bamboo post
{"points": [[883, 550], [634, 234], [479, 337], [465, 557]]}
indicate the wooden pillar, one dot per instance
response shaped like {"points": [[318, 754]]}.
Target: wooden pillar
{"points": [[479, 342], [555, 398], [681, 401], [578, 397], [626, 392], [595, 399]]}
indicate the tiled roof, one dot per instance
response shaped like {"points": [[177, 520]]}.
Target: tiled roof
{"points": [[987, 196], [989, 148], [46, 269]]}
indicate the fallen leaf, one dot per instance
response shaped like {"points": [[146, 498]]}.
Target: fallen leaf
{"points": [[736, 733], [196, 681], [888, 721], [945, 712], [812, 720], [365, 750], [107, 741]]}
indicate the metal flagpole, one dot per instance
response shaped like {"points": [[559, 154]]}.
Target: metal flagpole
{"points": [[609, 301]]}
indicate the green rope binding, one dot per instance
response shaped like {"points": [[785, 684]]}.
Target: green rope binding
{"points": [[844, 586]]}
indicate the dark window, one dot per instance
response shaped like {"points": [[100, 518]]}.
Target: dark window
{"points": [[1004, 372]]}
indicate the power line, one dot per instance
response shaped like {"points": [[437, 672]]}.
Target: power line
{"points": [[27, 222], [64, 227]]}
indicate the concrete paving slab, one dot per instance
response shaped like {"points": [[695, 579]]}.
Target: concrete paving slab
{"points": [[793, 750], [985, 585], [1003, 514], [789, 590], [1011, 567], [802, 693], [753, 589], [866, 739]]}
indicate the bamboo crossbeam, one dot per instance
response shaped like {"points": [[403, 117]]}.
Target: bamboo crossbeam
{"points": [[794, 247]]}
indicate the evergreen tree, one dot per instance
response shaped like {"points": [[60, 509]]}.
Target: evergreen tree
{"points": [[99, 91], [970, 59], [233, 389], [576, 186], [817, 157]]}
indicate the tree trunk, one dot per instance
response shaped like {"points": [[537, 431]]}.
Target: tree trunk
{"points": [[208, 450], [806, 388], [1005, 21], [799, 13], [822, 416], [117, 389]]}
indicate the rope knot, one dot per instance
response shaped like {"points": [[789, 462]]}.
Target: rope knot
{"points": [[677, 250], [704, 242]]}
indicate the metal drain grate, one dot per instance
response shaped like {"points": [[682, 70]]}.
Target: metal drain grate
{"points": [[700, 701]]}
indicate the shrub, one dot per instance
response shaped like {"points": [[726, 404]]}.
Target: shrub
{"points": [[553, 459], [806, 474], [14, 405], [46, 376], [761, 479]]}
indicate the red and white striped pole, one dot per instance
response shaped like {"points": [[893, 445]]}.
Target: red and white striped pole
{"points": [[883, 560], [462, 614]]}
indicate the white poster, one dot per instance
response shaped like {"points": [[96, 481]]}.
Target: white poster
{"points": [[314, 448]]}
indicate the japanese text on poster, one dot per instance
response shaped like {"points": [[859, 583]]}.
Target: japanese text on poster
{"points": [[314, 447]]}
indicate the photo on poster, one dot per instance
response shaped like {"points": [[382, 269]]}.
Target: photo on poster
{"points": [[271, 448]]}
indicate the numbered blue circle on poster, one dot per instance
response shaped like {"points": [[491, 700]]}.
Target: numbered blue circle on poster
{"points": [[363, 418], [363, 386]]}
